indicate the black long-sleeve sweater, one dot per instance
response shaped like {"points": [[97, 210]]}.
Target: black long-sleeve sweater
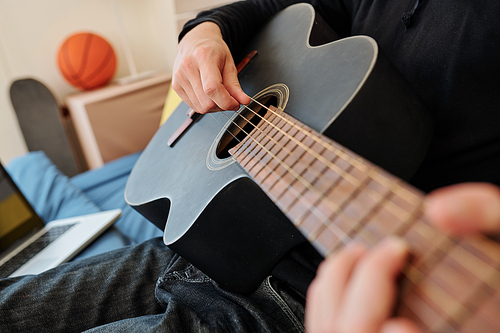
{"points": [[448, 50]]}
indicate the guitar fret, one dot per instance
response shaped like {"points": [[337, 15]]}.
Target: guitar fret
{"points": [[380, 225], [472, 302], [454, 287], [262, 155], [275, 183], [473, 264], [298, 190], [308, 224], [485, 317], [241, 148], [308, 141], [357, 209], [270, 180], [447, 310], [273, 131], [346, 205], [453, 265], [404, 199], [355, 226], [451, 311], [487, 273], [424, 241], [329, 178], [418, 310], [248, 157], [316, 199], [256, 154], [413, 218], [282, 124], [331, 239], [295, 161]]}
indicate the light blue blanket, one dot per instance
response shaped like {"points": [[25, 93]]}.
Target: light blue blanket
{"points": [[55, 196]]}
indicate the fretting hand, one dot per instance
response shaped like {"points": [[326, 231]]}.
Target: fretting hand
{"points": [[354, 291]]}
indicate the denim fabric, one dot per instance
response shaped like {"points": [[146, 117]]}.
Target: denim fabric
{"points": [[141, 288]]}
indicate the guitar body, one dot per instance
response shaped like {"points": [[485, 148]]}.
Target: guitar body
{"points": [[212, 213]]}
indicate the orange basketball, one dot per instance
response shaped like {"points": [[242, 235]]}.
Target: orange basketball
{"points": [[86, 60]]}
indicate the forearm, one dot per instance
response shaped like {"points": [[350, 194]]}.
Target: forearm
{"points": [[205, 76], [239, 21]]}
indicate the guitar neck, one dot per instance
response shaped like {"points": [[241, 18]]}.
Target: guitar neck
{"points": [[334, 196]]}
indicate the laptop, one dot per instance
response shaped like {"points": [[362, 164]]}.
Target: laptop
{"points": [[28, 245]]}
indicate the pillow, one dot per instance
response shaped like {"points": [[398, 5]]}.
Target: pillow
{"points": [[172, 102]]}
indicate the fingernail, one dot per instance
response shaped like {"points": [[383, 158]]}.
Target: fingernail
{"points": [[396, 245], [355, 246], [453, 206]]}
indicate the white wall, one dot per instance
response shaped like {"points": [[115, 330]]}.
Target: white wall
{"points": [[31, 32]]}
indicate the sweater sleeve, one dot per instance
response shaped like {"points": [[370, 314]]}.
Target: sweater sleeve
{"points": [[241, 20]]}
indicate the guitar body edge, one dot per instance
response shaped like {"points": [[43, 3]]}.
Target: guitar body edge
{"points": [[243, 226], [218, 218]]}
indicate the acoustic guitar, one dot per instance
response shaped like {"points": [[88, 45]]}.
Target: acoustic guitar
{"points": [[235, 191]]}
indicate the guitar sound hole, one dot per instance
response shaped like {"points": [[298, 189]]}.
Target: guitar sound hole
{"points": [[243, 125]]}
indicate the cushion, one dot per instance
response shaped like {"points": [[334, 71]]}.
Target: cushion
{"points": [[172, 102]]}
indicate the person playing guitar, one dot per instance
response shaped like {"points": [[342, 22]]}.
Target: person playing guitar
{"points": [[354, 291]]}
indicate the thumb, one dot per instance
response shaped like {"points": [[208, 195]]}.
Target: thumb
{"points": [[463, 208], [232, 84]]}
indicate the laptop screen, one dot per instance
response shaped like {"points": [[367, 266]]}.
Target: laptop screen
{"points": [[17, 217]]}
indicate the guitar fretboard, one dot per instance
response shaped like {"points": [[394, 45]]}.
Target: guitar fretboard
{"points": [[333, 196]]}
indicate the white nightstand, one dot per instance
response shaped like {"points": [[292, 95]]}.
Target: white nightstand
{"points": [[117, 120]]}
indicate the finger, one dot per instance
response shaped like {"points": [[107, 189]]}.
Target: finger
{"points": [[325, 292], [465, 207], [400, 325], [207, 104], [186, 92], [213, 87], [188, 75], [232, 84], [193, 74], [182, 94], [370, 294]]}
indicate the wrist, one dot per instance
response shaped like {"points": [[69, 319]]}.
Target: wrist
{"points": [[207, 28]]}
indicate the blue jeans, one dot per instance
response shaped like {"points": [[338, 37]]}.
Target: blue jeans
{"points": [[142, 288]]}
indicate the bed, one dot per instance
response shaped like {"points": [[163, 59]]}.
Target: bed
{"points": [[54, 196]]}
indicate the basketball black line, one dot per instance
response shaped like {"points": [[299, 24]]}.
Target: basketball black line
{"points": [[86, 51], [102, 65], [67, 60], [68, 63]]}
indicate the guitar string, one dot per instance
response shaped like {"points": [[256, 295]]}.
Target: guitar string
{"points": [[341, 172], [404, 272], [299, 175], [396, 210], [408, 291], [222, 125], [389, 205], [290, 170], [335, 209], [335, 150], [487, 281], [444, 244]]}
